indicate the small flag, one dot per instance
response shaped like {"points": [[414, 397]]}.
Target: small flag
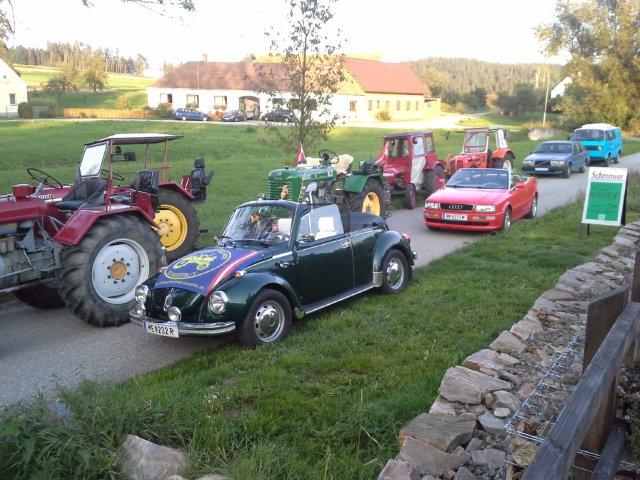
{"points": [[300, 158]]}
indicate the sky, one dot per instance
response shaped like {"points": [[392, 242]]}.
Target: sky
{"points": [[397, 30]]}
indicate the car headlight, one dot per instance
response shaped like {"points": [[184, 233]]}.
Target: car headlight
{"points": [[527, 162], [432, 205], [174, 314], [485, 208], [599, 147], [142, 292], [557, 163], [218, 302]]}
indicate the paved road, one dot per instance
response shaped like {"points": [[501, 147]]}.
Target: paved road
{"points": [[41, 348]]}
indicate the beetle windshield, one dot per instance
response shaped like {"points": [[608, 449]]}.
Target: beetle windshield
{"points": [[553, 148], [261, 223], [92, 160], [587, 134], [474, 142], [479, 178]]}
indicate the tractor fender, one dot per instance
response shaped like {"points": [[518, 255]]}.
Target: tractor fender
{"points": [[243, 291], [82, 220], [503, 152], [176, 187], [354, 183], [387, 241], [433, 165]]}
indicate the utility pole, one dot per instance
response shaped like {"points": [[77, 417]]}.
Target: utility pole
{"points": [[546, 98]]}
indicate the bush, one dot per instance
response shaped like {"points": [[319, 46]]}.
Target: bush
{"points": [[383, 115], [629, 398], [123, 102], [163, 110], [25, 110]]}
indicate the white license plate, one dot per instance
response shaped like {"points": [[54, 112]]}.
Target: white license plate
{"points": [[542, 169], [166, 330], [454, 216]]}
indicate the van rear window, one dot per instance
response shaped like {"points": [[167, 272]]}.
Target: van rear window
{"points": [[587, 134]]}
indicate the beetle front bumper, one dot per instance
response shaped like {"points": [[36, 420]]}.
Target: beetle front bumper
{"points": [[216, 328]]}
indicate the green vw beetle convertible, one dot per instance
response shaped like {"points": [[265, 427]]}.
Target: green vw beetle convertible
{"points": [[277, 259]]}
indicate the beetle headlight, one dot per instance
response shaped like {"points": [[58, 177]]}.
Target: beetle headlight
{"points": [[432, 205], [142, 292], [174, 314], [485, 208], [218, 302]]}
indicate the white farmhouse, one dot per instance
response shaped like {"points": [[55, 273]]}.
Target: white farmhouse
{"points": [[560, 88], [13, 90]]}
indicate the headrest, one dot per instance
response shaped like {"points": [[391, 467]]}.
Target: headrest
{"points": [[284, 225]]}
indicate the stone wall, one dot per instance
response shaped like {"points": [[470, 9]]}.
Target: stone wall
{"points": [[462, 436]]}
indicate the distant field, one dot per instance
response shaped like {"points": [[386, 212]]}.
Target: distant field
{"points": [[132, 86], [493, 118]]}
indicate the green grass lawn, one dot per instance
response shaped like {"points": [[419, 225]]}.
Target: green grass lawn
{"points": [[328, 402], [519, 121], [132, 86]]}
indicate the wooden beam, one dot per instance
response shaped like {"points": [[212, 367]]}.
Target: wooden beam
{"points": [[611, 454]]}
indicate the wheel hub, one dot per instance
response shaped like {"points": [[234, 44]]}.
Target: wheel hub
{"points": [[394, 273], [172, 227], [118, 270], [371, 203], [269, 321]]}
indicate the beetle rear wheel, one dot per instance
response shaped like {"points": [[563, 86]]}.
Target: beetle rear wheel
{"points": [[179, 226], [268, 320]]}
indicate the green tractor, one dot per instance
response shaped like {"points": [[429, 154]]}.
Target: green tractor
{"points": [[360, 191]]}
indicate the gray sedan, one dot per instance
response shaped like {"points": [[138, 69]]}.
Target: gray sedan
{"points": [[557, 158]]}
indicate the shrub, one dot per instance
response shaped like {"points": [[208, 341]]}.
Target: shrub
{"points": [[49, 111], [383, 115], [629, 397], [123, 102], [163, 110], [25, 110]]}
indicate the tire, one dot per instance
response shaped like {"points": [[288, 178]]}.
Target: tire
{"points": [[431, 177], [86, 287], [567, 171], [616, 159], [395, 272], [583, 168], [370, 199], [505, 163], [176, 212], [410, 197], [605, 162], [183, 118], [257, 328], [42, 296], [533, 211], [506, 220], [287, 120], [205, 118]]}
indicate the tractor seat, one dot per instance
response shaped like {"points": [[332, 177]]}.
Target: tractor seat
{"points": [[87, 192], [199, 179], [343, 165]]}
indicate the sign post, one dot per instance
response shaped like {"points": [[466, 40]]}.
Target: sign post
{"points": [[605, 198]]}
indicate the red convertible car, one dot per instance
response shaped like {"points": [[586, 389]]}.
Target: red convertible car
{"points": [[481, 199]]}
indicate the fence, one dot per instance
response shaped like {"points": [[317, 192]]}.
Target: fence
{"points": [[107, 113], [587, 422]]}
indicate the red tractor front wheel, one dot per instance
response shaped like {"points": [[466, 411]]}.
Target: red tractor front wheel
{"points": [[434, 179]]}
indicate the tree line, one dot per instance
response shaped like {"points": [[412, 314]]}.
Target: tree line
{"points": [[77, 55]]}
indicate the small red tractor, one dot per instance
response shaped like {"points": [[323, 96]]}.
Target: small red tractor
{"points": [[409, 161], [90, 244], [483, 147]]}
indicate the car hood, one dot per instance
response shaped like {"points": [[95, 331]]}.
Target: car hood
{"points": [[203, 270], [468, 195], [548, 156]]}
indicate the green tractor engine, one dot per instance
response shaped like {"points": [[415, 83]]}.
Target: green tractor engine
{"points": [[297, 179]]}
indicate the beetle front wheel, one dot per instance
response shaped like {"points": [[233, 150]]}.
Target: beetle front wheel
{"points": [[395, 272], [268, 320]]}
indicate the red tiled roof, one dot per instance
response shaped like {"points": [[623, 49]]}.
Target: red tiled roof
{"points": [[381, 77]]}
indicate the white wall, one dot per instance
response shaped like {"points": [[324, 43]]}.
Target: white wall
{"points": [[10, 83]]}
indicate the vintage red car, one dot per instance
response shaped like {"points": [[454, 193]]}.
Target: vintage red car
{"points": [[482, 199]]}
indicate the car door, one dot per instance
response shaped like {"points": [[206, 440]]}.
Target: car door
{"points": [[363, 243], [519, 196], [323, 255]]}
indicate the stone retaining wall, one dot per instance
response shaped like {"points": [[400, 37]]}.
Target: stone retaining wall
{"points": [[463, 437]]}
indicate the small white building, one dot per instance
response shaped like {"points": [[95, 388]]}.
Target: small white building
{"points": [[13, 90], [560, 88]]}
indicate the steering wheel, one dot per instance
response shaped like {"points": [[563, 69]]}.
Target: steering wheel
{"points": [[115, 175], [44, 178], [328, 156]]}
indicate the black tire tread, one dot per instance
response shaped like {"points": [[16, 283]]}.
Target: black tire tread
{"points": [[407, 274], [246, 332]]}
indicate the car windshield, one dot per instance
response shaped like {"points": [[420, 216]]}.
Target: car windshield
{"points": [[474, 142], [553, 148], [587, 134], [260, 223], [92, 160], [479, 178]]}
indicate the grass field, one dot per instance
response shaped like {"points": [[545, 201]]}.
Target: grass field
{"points": [[517, 122], [132, 86], [328, 402]]}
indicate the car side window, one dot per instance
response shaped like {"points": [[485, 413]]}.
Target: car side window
{"points": [[418, 146], [322, 222], [610, 135], [429, 144]]}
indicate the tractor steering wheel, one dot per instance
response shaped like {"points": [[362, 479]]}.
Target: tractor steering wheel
{"points": [[114, 175], [328, 156], [44, 178]]}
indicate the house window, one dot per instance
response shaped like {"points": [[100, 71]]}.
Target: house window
{"points": [[370, 105], [352, 105], [377, 104], [166, 98], [387, 105], [398, 105], [417, 105], [12, 99], [193, 100], [408, 105]]}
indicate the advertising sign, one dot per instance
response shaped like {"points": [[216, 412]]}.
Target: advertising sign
{"points": [[605, 197]]}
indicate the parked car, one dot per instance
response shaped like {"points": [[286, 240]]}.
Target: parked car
{"points": [[190, 114], [602, 141], [234, 116], [482, 199], [279, 115], [557, 158], [276, 259]]}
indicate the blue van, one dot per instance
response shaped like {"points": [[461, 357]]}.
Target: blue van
{"points": [[602, 141]]}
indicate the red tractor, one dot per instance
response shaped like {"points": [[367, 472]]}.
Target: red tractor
{"points": [[484, 147], [90, 244], [410, 161]]}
